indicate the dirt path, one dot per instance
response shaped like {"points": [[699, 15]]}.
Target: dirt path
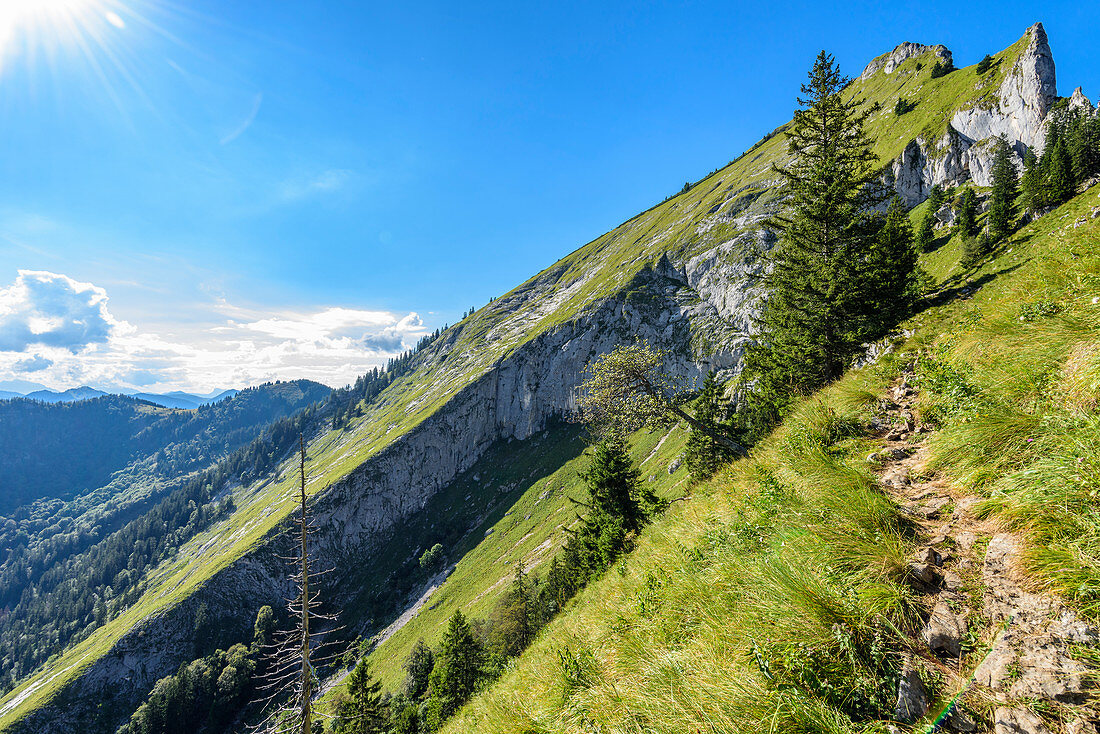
{"points": [[1008, 651]]}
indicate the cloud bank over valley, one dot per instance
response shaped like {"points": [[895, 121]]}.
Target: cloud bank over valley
{"points": [[60, 332]]}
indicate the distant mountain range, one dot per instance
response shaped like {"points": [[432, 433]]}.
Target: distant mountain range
{"points": [[175, 399]]}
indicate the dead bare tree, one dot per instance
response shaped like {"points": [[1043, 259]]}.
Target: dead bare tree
{"points": [[289, 679]]}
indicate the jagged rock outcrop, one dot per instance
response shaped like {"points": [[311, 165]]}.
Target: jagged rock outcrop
{"points": [[1078, 101], [903, 51], [1021, 103], [1017, 109]]}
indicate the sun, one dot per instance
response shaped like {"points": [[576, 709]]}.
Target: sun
{"points": [[32, 28]]}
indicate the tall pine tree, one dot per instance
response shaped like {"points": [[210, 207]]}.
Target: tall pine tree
{"points": [[365, 710], [1033, 187], [812, 324], [966, 214], [1002, 204], [460, 660]]}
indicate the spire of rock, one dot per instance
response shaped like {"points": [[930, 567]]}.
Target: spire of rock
{"points": [[1023, 100], [1078, 101]]}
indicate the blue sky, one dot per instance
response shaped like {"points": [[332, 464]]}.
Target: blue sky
{"points": [[237, 191]]}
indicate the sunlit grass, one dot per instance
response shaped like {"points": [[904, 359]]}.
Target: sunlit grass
{"points": [[732, 613]]}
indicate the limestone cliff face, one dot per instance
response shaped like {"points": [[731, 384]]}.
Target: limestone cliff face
{"points": [[965, 151], [666, 304], [1023, 100]]}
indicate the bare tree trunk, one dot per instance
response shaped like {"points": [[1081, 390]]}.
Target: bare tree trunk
{"points": [[307, 674]]}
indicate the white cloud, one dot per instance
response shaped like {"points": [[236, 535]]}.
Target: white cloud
{"points": [[51, 310], [62, 331]]}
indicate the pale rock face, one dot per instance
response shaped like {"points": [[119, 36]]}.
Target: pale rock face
{"points": [[1078, 101], [890, 61], [965, 153], [913, 176], [1023, 100]]}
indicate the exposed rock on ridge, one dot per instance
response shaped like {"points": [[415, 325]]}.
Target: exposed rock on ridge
{"points": [[1023, 100], [965, 151], [902, 52]]}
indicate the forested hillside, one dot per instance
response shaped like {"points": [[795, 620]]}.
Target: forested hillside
{"points": [[97, 470]]}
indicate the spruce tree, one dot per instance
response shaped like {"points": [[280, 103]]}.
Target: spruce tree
{"points": [[364, 711], [614, 488], [975, 249], [926, 236], [460, 660], [1002, 205], [936, 198], [890, 269], [810, 327], [1033, 188], [514, 623], [1059, 173], [702, 454], [985, 64], [966, 214], [418, 668]]}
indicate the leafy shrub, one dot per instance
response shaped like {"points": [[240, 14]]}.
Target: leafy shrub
{"points": [[1031, 311], [855, 671], [950, 387]]}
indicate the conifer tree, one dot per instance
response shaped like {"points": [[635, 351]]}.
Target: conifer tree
{"points": [[936, 198], [702, 454], [1033, 187], [614, 487], [966, 214], [1002, 205], [514, 625], [811, 324], [985, 64], [418, 668], [1059, 173], [975, 249], [460, 660], [926, 236], [364, 711], [889, 273]]}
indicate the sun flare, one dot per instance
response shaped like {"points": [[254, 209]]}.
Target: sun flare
{"points": [[33, 28]]}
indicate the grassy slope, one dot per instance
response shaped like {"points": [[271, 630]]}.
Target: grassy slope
{"points": [[531, 531], [795, 549], [684, 224]]}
